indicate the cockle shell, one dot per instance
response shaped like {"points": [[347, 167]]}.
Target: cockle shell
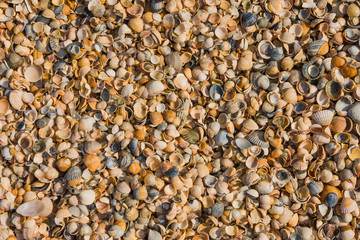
{"points": [[323, 117], [73, 175], [4, 106], [87, 197], [348, 205], [33, 73], [354, 112]]}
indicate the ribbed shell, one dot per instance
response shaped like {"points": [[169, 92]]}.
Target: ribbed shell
{"points": [[314, 47], [348, 205], [323, 117], [189, 135], [174, 60], [73, 175], [257, 138]]}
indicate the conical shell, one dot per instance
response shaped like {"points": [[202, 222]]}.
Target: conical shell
{"points": [[323, 117]]}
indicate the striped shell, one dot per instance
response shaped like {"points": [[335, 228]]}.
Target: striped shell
{"points": [[318, 47], [257, 138], [189, 135], [73, 175], [54, 44], [323, 117]]}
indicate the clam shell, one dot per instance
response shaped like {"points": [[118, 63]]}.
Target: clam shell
{"points": [[323, 117], [318, 47], [257, 138], [73, 175], [313, 70], [354, 112], [155, 87], [92, 162], [15, 61], [216, 92], [174, 60], [33, 73], [4, 106], [31, 209], [87, 197], [189, 135], [242, 143]]}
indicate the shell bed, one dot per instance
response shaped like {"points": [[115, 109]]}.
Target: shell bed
{"points": [[179, 119]]}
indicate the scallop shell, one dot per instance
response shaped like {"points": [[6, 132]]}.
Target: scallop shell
{"points": [[323, 117], [257, 138], [73, 175], [31, 209]]}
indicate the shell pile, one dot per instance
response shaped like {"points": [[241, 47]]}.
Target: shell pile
{"points": [[179, 119]]}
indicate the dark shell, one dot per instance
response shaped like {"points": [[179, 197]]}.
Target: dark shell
{"points": [[331, 199], [74, 48], [232, 43], [313, 70], [59, 65], [172, 172], [249, 19], [73, 173], [156, 5], [314, 188], [216, 92], [217, 210], [277, 54], [14, 61], [54, 44], [39, 146], [153, 193], [105, 95]]}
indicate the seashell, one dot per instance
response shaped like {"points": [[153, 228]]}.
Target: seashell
{"points": [[174, 60], [257, 138], [189, 135], [31, 208], [348, 71], [264, 49], [155, 87], [54, 44], [123, 187], [262, 82], [323, 117], [15, 99], [221, 138], [216, 92], [348, 205], [181, 81], [15, 61], [33, 73], [39, 146], [73, 175], [63, 213], [156, 6], [318, 47], [277, 54], [87, 197], [98, 10], [169, 21], [217, 210], [4, 106], [313, 70], [242, 143], [92, 162], [92, 147], [314, 188], [136, 24], [249, 19], [290, 95], [132, 214], [354, 112], [333, 89], [331, 195], [281, 177]]}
